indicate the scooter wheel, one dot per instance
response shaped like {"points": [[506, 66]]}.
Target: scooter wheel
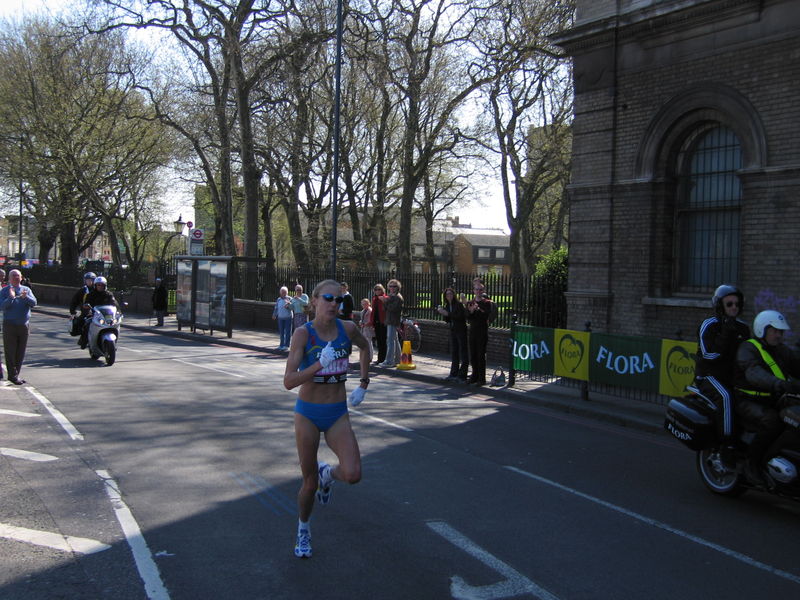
{"points": [[716, 476], [109, 352]]}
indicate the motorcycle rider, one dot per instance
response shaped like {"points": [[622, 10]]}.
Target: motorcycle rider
{"points": [[98, 296], [718, 338], [80, 296], [764, 370]]}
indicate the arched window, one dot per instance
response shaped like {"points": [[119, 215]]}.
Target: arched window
{"points": [[708, 209]]}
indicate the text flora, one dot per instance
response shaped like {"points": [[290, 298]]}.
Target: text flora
{"points": [[625, 365]]}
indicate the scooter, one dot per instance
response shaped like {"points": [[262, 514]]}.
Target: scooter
{"points": [[691, 420], [104, 333]]}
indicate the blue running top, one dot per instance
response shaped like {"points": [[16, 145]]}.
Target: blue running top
{"points": [[337, 370]]}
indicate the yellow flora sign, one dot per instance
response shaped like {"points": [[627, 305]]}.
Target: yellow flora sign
{"points": [[677, 367], [572, 354]]}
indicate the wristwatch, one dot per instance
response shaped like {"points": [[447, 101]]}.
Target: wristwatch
{"points": [[365, 380]]}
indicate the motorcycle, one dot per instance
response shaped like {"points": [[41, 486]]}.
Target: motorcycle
{"points": [[721, 467], [104, 333]]}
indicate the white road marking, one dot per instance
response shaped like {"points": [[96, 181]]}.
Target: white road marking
{"points": [[515, 583], [384, 421], [692, 538], [57, 541], [186, 362], [17, 413], [27, 455], [57, 414], [148, 570]]}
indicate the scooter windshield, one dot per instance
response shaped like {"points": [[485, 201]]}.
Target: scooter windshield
{"points": [[107, 311]]}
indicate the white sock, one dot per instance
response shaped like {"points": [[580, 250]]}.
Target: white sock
{"points": [[304, 526]]}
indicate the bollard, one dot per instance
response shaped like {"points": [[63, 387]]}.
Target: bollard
{"points": [[406, 362]]}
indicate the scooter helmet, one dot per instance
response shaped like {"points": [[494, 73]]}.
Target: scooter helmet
{"points": [[726, 290], [101, 280], [89, 275], [769, 318]]}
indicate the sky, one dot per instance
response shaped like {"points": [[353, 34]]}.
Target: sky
{"points": [[489, 212]]}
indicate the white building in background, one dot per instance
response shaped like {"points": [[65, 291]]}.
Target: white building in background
{"points": [[12, 243]]}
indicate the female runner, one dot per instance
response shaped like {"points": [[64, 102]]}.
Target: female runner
{"points": [[318, 362]]}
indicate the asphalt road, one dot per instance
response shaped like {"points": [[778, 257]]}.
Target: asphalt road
{"points": [[180, 475]]}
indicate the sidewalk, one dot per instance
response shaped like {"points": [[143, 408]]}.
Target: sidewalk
{"points": [[431, 369]]}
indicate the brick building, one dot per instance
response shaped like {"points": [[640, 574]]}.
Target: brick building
{"points": [[686, 161]]}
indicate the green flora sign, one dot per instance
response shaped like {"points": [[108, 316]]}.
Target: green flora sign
{"points": [[655, 365], [532, 349], [626, 361]]}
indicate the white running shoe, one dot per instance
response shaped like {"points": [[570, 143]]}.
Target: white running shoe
{"points": [[302, 549], [325, 483]]}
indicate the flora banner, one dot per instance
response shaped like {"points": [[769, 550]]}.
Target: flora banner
{"points": [[660, 366]]}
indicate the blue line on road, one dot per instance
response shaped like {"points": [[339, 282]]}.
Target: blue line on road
{"points": [[266, 494]]}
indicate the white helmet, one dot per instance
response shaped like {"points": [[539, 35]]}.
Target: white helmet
{"points": [[769, 318], [101, 280]]}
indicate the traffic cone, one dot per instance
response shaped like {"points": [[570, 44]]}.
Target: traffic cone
{"points": [[406, 363]]}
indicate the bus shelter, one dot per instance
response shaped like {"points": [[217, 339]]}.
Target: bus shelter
{"points": [[202, 298]]}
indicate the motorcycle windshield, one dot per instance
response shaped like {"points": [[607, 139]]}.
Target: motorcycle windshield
{"points": [[107, 311]]}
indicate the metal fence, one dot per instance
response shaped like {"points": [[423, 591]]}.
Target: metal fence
{"points": [[535, 301]]}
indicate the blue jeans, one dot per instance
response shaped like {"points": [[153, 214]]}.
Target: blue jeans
{"points": [[285, 331], [392, 346]]}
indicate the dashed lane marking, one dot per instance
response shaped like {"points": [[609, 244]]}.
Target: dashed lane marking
{"points": [[379, 420], [57, 414], [57, 541], [668, 528], [186, 362], [17, 413], [148, 570], [27, 455]]}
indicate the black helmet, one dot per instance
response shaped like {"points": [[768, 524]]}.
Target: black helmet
{"points": [[726, 290]]}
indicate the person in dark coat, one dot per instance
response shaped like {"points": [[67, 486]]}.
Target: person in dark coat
{"points": [[455, 315], [159, 302], [479, 309]]}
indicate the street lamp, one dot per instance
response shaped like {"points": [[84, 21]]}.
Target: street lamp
{"points": [[178, 225]]}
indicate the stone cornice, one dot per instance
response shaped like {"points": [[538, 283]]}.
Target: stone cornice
{"points": [[656, 19]]}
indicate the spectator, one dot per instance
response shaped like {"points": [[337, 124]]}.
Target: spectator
{"points": [[283, 314], [455, 315], [394, 312], [16, 301], [347, 304], [478, 311], [379, 320], [159, 300], [299, 307], [367, 328]]}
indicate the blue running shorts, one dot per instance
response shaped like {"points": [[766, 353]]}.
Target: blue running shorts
{"points": [[321, 415]]}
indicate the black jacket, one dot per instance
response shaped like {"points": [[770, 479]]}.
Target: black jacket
{"points": [[456, 315], [717, 342], [347, 307], [97, 298], [78, 300], [160, 298]]}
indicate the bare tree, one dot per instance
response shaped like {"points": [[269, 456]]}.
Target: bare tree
{"points": [[80, 145], [529, 101]]}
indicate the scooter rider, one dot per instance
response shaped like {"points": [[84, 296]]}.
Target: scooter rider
{"points": [[99, 296], [718, 338], [764, 370], [80, 296]]}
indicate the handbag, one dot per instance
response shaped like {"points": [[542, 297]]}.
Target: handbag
{"points": [[498, 379]]}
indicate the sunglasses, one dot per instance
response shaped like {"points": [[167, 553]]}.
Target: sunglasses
{"points": [[331, 298], [732, 303]]}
